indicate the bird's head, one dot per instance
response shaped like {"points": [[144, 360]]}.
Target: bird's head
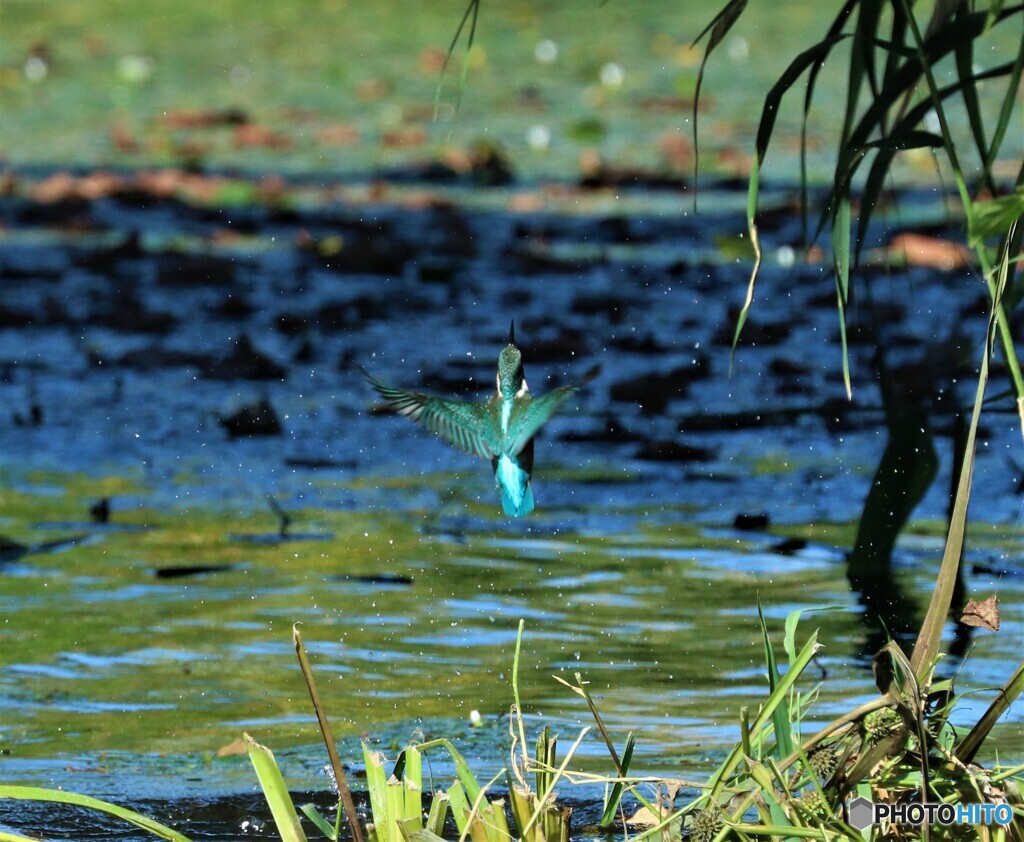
{"points": [[511, 380]]}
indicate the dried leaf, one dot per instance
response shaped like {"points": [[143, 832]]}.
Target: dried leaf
{"points": [[984, 614], [644, 818], [232, 749], [932, 252]]}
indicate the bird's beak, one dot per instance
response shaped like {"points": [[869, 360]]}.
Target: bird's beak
{"points": [[512, 333]]}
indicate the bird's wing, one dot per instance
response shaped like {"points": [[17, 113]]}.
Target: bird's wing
{"points": [[461, 424], [535, 415]]}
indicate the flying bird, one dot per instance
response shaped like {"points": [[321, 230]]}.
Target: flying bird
{"points": [[500, 429]]}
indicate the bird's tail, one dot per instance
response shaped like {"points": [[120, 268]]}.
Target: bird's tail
{"points": [[514, 482], [517, 507]]}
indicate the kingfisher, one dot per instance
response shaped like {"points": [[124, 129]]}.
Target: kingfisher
{"points": [[500, 429]]}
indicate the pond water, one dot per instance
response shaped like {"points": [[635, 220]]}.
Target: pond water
{"points": [[266, 203], [134, 326]]}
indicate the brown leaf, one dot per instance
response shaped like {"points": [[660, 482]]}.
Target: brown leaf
{"points": [[233, 748], [932, 252], [338, 134], [251, 135], [404, 136], [984, 614], [644, 818]]}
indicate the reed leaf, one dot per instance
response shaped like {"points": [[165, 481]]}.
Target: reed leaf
{"points": [[275, 791], [927, 646], [1006, 110], [776, 697], [465, 775], [438, 813], [324, 826], [841, 257], [57, 796], [755, 242], [619, 787], [377, 787], [470, 15], [412, 781], [1007, 694], [964, 55], [719, 28], [780, 716]]}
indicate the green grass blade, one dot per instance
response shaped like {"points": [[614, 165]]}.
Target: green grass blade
{"points": [[873, 186], [762, 777], [860, 54], [615, 797], [542, 797], [460, 806], [755, 241], [780, 716], [545, 755], [275, 791], [57, 796], [394, 795], [793, 621], [377, 786], [720, 777], [412, 781], [465, 775], [470, 15], [927, 646], [841, 258], [324, 826], [1010, 691], [438, 813]]}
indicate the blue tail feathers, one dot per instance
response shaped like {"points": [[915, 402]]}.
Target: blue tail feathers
{"points": [[514, 482]]}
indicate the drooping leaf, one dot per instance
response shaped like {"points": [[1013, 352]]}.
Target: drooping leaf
{"points": [[841, 258], [1009, 103], [58, 796], [770, 110], [964, 53], [719, 28], [752, 193]]}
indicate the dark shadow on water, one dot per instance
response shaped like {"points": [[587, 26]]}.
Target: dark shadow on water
{"points": [[904, 474]]}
